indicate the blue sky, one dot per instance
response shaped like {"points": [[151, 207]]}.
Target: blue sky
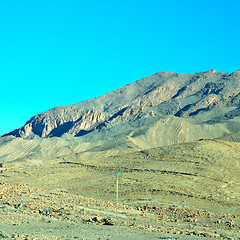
{"points": [[62, 52]]}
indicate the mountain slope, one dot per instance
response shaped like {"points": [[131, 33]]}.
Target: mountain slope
{"points": [[207, 97]]}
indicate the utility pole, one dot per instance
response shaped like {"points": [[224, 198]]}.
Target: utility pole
{"points": [[117, 173]]}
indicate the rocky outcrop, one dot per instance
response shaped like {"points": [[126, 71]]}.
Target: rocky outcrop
{"points": [[60, 120]]}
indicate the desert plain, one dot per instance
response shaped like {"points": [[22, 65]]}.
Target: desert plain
{"points": [[183, 191]]}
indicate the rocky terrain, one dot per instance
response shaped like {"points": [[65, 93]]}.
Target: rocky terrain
{"points": [[205, 98], [187, 191], [173, 137]]}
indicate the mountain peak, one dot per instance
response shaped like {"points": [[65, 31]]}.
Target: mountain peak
{"points": [[209, 71]]}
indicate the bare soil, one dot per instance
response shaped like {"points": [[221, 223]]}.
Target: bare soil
{"points": [[186, 191]]}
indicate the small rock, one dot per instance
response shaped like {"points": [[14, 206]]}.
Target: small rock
{"points": [[97, 219], [107, 222]]}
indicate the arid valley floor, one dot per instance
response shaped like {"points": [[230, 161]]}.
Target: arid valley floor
{"points": [[184, 191]]}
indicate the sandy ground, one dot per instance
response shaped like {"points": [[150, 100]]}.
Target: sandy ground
{"points": [[32, 213], [178, 192]]}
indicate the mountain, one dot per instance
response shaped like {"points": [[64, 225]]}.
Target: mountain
{"points": [[174, 140], [206, 98], [163, 109]]}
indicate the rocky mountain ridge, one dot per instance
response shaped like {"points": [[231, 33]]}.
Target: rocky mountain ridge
{"points": [[202, 98]]}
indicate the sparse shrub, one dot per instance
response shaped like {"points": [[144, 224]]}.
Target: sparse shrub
{"points": [[3, 235]]}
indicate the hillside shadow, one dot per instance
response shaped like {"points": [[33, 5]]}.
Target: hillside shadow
{"points": [[61, 129]]}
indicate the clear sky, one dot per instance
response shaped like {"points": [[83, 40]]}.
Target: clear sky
{"points": [[60, 52]]}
